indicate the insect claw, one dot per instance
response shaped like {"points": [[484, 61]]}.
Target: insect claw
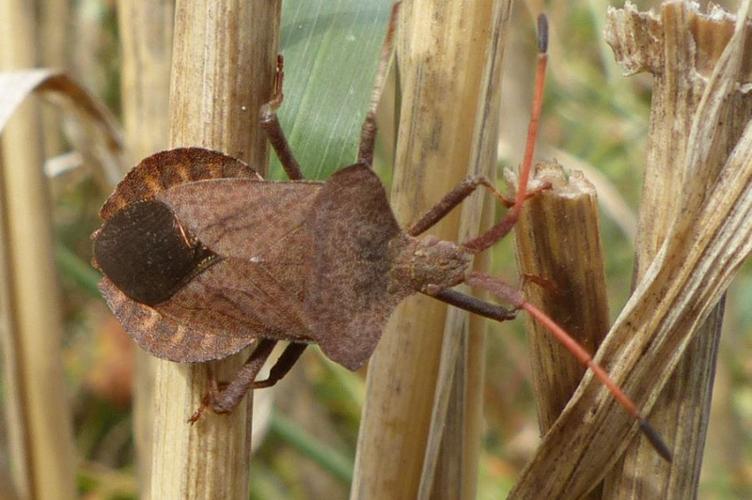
{"points": [[541, 281], [200, 411]]}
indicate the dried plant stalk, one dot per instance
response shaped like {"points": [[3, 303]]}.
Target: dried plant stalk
{"points": [[38, 412], [54, 29], [222, 71], [15, 87], [441, 70], [450, 466], [558, 240], [610, 200], [705, 245], [681, 46], [146, 40]]}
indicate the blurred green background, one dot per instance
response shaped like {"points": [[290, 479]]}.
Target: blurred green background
{"points": [[592, 113]]}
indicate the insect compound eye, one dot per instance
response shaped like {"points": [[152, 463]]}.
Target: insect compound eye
{"points": [[147, 254]]}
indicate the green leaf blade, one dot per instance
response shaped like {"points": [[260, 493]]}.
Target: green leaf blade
{"points": [[331, 51]]}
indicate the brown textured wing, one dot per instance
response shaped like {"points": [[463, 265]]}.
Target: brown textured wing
{"points": [[166, 333], [166, 337], [257, 221], [258, 230], [240, 299], [169, 168], [216, 314], [349, 293]]}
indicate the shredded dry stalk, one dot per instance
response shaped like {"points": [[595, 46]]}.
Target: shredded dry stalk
{"points": [[441, 71], [682, 45], [704, 247], [610, 199], [223, 66]]}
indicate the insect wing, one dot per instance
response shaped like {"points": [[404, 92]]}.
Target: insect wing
{"points": [[257, 231], [256, 221], [166, 169], [165, 336]]}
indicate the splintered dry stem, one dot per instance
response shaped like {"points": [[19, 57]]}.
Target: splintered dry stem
{"points": [[677, 292], [691, 43]]}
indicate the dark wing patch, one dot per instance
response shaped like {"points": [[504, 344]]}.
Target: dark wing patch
{"points": [[170, 168], [145, 252], [349, 293], [217, 313]]}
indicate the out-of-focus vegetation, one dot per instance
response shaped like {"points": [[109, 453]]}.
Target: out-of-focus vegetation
{"points": [[590, 111]]}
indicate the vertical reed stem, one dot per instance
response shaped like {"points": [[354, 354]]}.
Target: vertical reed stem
{"points": [[441, 54], [38, 414], [223, 63], [146, 39], [558, 240], [458, 422]]}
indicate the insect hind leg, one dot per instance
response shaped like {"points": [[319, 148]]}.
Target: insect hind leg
{"points": [[224, 399], [283, 365]]}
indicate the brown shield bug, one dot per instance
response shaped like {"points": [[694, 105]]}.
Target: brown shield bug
{"points": [[202, 257]]}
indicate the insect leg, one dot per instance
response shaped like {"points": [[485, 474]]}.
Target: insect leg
{"points": [[274, 132], [283, 365], [226, 399], [451, 200], [368, 130], [473, 305]]}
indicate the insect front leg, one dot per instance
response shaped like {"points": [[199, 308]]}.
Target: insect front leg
{"points": [[369, 129], [451, 200], [470, 184], [274, 132], [506, 224]]}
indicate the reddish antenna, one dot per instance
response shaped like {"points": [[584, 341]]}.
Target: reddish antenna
{"points": [[513, 296], [532, 129]]}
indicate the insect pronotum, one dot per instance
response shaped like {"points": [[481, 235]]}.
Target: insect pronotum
{"points": [[202, 257]]}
